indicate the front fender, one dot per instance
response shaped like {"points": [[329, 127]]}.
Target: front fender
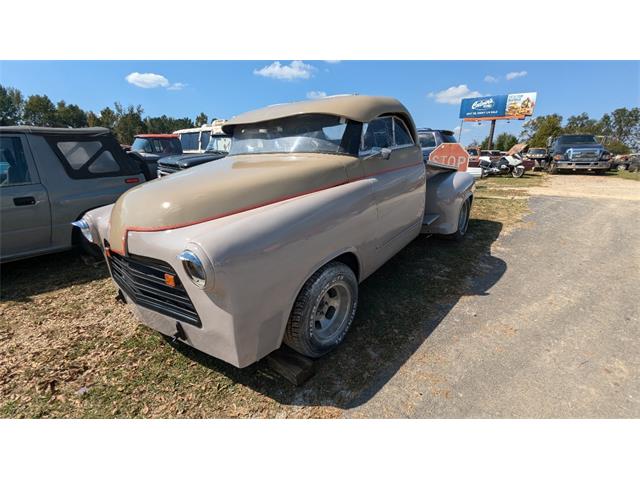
{"points": [[445, 194], [98, 220]]}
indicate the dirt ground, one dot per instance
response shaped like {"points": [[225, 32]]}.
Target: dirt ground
{"points": [[437, 323], [556, 336]]}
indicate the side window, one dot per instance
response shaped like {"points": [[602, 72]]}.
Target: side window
{"points": [[401, 134], [13, 164], [88, 158], [377, 134], [105, 163], [79, 153], [204, 139], [427, 139]]}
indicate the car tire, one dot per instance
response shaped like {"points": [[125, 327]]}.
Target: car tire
{"points": [[463, 221], [553, 168], [621, 168], [600, 172], [323, 311]]}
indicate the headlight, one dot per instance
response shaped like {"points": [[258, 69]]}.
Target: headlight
{"points": [[194, 268], [84, 228]]}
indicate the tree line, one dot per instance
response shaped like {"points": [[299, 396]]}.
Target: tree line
{"points": [[619, 130], [125, 122]]}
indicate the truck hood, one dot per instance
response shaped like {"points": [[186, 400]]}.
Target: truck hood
{"points": [[217, 189], [189, 160]]}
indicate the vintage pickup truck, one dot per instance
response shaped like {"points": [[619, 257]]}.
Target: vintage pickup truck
{"points": [[269, 244]]}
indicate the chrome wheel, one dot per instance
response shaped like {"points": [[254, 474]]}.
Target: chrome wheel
{"points": [[331, 312]]}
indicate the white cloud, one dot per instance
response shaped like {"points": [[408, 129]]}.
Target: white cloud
{"points": [[147, 80], [176, 86], [294, 71], [491, 79], [453, 95], [512, 75], [313, 94]]}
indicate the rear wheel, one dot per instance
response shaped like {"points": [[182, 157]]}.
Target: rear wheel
{"points": [[517, 172], [553, 168], [323, 311], [463, 221], [622, 167]]}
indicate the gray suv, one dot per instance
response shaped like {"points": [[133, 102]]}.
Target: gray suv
{"points": [[49, 177]]}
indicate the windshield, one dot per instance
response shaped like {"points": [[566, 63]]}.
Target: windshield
{"points": [[538, 151], [157, 145], [313, 133], [219, 143], [189, 140], [577, 139]]}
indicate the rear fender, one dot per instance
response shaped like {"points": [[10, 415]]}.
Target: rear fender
{"points": [[445, 194]]}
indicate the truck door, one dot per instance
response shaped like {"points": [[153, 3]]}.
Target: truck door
{"points": [[25, 214], [391, 157]]}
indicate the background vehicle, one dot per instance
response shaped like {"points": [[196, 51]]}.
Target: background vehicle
{"points": [[51, 177], [194, 140], [511, 163], [270, 243], [429, 139], [623, 162], [151, 147], [577, 152], [538, 156], [218, 147]]}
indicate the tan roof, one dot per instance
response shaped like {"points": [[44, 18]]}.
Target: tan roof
{"points": [[361, 108]]}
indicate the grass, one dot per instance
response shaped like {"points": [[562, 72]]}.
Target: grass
{"points": [[627, 175], [68, 349]]}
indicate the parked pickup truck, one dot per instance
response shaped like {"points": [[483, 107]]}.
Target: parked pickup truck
{"points": [[268, 245], [218, 147], [577, 152], [50, 177]]}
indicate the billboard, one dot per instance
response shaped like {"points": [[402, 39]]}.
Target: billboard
{"points": [[513, 105]]}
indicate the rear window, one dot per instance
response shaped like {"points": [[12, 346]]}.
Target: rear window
{"points": [[427, 139], [448, 137]]}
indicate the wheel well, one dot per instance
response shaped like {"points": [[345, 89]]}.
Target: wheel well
{"points": [[350, 260]]}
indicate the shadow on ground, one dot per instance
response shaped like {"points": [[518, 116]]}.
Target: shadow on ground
{"points": [[21, 280], [400, 306]]}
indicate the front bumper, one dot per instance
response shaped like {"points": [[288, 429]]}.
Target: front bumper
{"points": [[577, 165]]}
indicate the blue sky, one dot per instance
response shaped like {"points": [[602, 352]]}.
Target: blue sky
{"points": [[430, 89]]}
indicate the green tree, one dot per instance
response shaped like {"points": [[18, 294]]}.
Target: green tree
{"points": [[40, 111], [503, 142], [108, 118], [70, 115], [536, 131], [626, 125], [201, 119], [11, 105], [616, 147], [583, 124], [129, 122], [92, 119]]}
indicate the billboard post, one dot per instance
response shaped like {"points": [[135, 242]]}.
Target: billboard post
{"points": [[491, 132]]}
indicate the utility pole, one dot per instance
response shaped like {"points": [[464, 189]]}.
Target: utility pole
{"points": [[491, 131]]}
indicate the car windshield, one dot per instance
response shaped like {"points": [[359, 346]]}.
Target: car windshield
{"points": [[312, 133], [219, 143], [577, 139], [157, 145], [537, 151]]}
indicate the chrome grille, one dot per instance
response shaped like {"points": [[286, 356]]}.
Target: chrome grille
{"points": [[143, 280]]}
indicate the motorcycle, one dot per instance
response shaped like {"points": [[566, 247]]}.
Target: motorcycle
{"points": [[510, 164]]}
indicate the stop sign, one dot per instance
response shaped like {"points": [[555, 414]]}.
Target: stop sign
{"points": [[450, 155]]}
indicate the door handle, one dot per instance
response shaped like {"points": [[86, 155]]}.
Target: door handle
{"points": [[22, 201]]}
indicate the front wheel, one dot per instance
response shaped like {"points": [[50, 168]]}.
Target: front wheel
{"points": [[517, 172], [621, 167], [553, 168], [323, 311]]}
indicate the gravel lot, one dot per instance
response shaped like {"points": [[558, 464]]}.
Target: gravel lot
{"points": [[556, 335]]}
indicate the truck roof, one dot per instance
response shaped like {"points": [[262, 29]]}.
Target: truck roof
{"points": [[55, 131], [360, 108]]}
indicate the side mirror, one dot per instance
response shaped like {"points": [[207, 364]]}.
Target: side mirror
{"points": [[385, 153]]}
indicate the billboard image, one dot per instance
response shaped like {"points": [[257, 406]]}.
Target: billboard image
{"points": [[513, 105]]}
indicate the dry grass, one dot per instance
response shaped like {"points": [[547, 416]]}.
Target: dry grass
{"points": [[68, 349]]}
